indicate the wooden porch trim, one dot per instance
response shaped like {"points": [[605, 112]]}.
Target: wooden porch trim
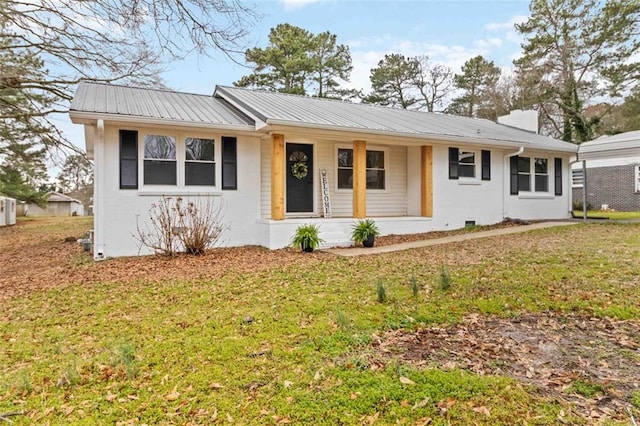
{"points": [[359, 179], [277, 176], [426, 181]]}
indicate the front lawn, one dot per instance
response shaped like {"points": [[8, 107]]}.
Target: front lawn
{"points": [[251, 336], [608, 214]]}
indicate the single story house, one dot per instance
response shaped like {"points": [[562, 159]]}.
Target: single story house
{"points": [[277, 161], [57, 205], [7, 211], [612, 170]]}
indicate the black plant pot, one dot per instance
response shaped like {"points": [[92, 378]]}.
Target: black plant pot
{"points": [[369, 241], [307, 249]]}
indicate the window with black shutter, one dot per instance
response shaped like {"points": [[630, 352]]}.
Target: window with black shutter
{"points": [[486, 165], [128, 159], [557, 171], [453, 163], [513, 166], [229, 163]]}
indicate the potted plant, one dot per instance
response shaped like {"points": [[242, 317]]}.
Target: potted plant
{"points": [[307, 238], [365, 231]]}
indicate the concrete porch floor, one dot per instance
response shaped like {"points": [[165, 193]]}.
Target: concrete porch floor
{"points": [[361, 251]]}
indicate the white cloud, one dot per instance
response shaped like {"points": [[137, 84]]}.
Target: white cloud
{"points": [[509, 25], [365, 59], [296, 4]]}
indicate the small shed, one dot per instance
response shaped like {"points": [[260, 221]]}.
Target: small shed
{"points": [[612, 166], [7, 211], [57, 205]]}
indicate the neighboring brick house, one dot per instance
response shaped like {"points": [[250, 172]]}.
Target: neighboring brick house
{"points": [[613, 172]]}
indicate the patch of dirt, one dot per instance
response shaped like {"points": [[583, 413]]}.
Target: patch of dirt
{"points": [[549, 351], [387, 240], [31, 261]]}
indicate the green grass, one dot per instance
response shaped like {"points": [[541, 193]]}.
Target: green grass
{"points": [[181, 351], [600, 214]]}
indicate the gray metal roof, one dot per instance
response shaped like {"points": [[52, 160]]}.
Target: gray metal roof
{"points": [[621, 145], [133, 102], [300, 111]]}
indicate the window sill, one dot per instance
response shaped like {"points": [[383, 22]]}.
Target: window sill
{"points": [[462, 181], [179, 192], [542, 196]]}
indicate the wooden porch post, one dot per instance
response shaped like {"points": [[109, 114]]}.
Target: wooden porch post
{"points": [[277, 177], [426, 181], [359, 179]]}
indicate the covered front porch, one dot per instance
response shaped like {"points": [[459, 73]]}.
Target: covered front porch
{"points": [[333, 182]]}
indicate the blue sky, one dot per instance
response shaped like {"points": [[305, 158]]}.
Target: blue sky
{"points": [[450, 32]]}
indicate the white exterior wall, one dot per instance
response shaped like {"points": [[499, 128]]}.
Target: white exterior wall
{"points": [[247, 210], [536, 205], [458, 200], [118, 209]]}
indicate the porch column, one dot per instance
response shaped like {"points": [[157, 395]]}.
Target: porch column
{"points": [[359, 179], [277, 177], [426, 181]]}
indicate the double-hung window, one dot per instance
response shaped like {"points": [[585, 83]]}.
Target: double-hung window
{"points": [[531, 174], [375, 164], [467, 164], [199, 166], [181, 161], [160, 165], [541, 175]]}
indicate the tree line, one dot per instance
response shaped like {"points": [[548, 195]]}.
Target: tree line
{"points": [[578, 68]]}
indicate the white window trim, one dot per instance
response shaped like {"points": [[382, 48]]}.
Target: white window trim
{"points": [[532, 193], [181, 156], [637, 181], [384, 149], [477, 180]]}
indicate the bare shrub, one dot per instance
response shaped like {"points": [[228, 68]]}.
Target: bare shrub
{"points": [[176, 225]]}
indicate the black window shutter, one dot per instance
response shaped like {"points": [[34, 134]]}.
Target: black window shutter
{"points": [[128, 159], [229, 163], [486, 165], [557, 170], [514, 174], [453, 163]]}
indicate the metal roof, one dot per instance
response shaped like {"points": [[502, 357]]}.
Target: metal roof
{"points": [[621, 145], [300, 111], [187, 108]]}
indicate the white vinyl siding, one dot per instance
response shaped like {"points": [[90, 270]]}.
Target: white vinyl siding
{"points": [[389, 202]]}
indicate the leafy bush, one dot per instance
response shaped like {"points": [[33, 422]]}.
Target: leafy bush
{"points": [[362, 229], [307, 237]]}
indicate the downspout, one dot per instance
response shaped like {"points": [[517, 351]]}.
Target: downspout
{"points": [[98, 192], [504, 187]]}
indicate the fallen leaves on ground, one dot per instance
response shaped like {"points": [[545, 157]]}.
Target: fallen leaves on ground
{"points": [[546, 350]]}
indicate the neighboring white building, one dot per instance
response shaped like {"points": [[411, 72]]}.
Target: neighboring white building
{"points": [[263, 154], [7, 211], [57, 205]]}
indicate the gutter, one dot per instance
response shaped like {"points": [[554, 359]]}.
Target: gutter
{"points": [[80, 117]]}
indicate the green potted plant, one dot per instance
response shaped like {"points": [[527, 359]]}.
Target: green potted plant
{"points": [[307, 238], [365, 231]]}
